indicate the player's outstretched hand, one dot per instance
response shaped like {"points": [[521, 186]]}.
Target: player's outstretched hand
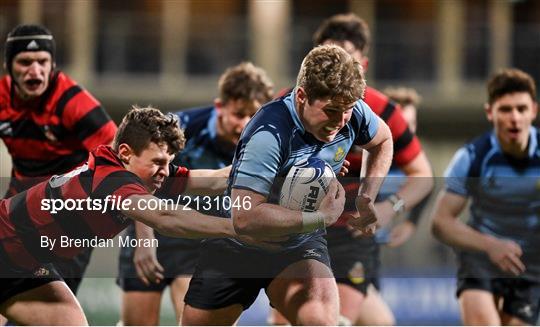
{"points": [[365, 222], [506, 254], [333, 203], [148, 268], [401, 233]]}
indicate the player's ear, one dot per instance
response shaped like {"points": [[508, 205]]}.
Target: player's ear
{"points": [[218, 104], [301, 95], [488, 109], [125, 152], [364, 63]]}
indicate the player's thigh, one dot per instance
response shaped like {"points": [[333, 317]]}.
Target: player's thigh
{"points": [[178, 289], [478, 307], [141, 307], [350, 300], [226, 316], [49, 304], [306, 285], [374, 311]]}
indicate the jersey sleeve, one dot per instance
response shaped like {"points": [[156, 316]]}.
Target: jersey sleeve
{"points": [[176, 183], [84, 115], [259, 163], [127, 190], [456, 173], [368, 123], [406, 143]]}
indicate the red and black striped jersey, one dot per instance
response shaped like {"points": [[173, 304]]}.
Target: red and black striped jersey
{"points": [[406, 144], [53, 134], [25, 218]]}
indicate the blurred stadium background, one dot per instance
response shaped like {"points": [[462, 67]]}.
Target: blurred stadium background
{"points": [[170, 54]]}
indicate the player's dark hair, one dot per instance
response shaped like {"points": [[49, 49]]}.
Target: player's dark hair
{"points": [[510, 80], [141, 126], [344, 27], [245, 82]]}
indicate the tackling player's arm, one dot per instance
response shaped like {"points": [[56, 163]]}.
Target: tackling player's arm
{"points": [[418, 185], [452, 231], [178, 223], [264, 220], [207, 181]]}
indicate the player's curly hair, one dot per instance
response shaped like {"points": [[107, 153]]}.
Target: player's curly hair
{"points": [[510, 80], [344, 27], [245, 82], [329, 72], [141, 126]]}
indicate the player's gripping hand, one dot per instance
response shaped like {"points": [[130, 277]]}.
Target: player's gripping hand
{"points": [[365, 223], [506, 254], [401, 233], [333, 203], [147, 266], [344, 168]]}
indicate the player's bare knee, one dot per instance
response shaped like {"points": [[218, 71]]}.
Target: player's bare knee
{"points": [[317, 313]]}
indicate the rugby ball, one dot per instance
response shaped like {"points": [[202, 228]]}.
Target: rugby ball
{"points": [[306, 185]]}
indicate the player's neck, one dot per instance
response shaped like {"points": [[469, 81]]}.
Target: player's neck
{"points": [[21, 100]]}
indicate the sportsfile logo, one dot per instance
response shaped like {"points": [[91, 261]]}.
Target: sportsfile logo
{"points": [[110, 202]]}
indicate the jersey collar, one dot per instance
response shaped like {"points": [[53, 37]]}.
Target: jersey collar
{"points": [[290, 103]]}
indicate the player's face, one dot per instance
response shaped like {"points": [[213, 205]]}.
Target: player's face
{"points": [[151, 165], [31, 71], [322, 118], [512, 116], [233, 117], [409, 113], [349, 47]]}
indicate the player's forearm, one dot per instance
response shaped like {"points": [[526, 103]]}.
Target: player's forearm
{"points": [[453, 232], [192, 224], [267, 220], [179, 222], [419, 182], [378, 163], [207, 181], [143, 231]]}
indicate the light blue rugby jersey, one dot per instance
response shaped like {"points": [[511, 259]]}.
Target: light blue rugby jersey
{"points": [[506, 194], [275, 139]]}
